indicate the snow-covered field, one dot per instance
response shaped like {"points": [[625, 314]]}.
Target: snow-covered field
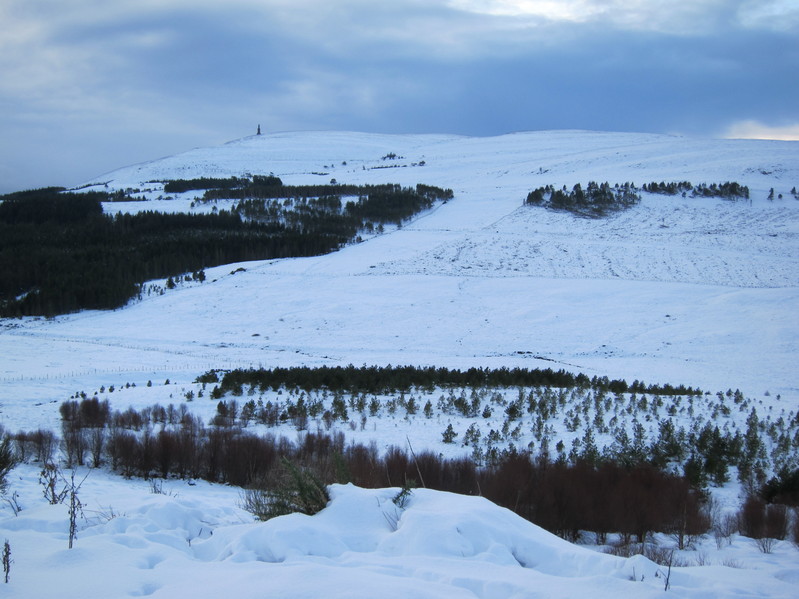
{"points": [[702, 292]]}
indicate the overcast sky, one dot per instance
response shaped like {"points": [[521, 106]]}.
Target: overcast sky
{"points": [[87, 86]]}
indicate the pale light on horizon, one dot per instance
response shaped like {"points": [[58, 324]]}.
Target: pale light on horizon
{"points": [[755, 130]]}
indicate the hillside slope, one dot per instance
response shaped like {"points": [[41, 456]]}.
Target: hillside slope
{"points": [[699, 290]]}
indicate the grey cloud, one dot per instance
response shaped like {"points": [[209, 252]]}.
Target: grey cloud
{"points": [[83, 95]]}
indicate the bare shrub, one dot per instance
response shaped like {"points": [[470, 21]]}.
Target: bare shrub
{"points": [[51, 480], [364, 465], [568, 499], [724, 526], [765, 544], [123, 449], [763, 523], [663, 556], [702, 559], [643, 502], [13, 502], [73, 443], [75, 506], [188, 453], [93, 413], [776, 521], [43, 445], [519, 496], [164, 449], [396, 465], [752, 517], [214, 450], [429, 468], [96, 441], [460, 476], [21, 445], [687, 519], [248, 458], [318, 448], [146, 454], [129, 419], [732, 563]]}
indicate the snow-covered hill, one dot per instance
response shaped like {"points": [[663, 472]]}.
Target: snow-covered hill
{"points": [[702, 292], [698, 291]]}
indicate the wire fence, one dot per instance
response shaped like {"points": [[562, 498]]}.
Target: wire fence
{"points": [[166, 368]]}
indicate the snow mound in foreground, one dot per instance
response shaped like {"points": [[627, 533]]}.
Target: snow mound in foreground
{"points": [[447, 545], [196, 543], [431, 525]]}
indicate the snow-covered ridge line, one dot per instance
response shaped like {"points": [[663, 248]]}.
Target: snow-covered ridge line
{"points": [[561, 155]]}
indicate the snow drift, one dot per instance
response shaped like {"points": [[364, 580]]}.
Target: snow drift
{"points": [[194, 542]]}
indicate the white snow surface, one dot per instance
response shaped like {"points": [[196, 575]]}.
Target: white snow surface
{"points": [[192, 541], [702, 292]]}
